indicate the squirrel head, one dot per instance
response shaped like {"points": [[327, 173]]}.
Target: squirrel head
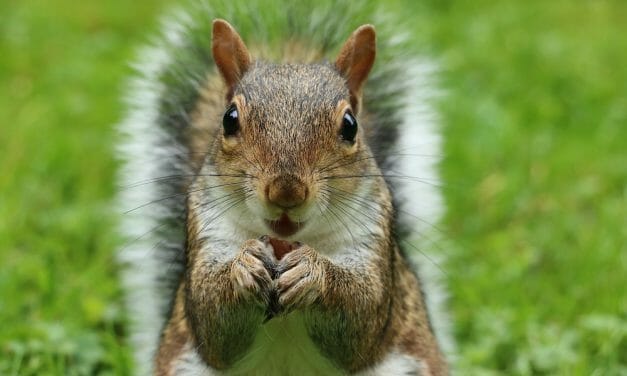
{"points": [[289, 129]]}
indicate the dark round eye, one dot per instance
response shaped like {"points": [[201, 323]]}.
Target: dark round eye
{"points": [[230, 122], [349, 128]]}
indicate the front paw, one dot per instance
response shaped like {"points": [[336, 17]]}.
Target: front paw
{"points": [[251, 271], [302, 279]]}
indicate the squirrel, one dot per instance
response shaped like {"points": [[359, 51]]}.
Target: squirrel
{"points": [[264, 219]]}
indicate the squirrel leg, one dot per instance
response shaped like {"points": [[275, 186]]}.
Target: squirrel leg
{"points": [[226, 303], [346, 309], [362, 315]]}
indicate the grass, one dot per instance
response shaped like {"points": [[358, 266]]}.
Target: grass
{"points": [[535, 179], [536, 173]]}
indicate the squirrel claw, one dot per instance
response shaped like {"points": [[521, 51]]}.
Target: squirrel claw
{"points": [[302, 279], [251, 272]]}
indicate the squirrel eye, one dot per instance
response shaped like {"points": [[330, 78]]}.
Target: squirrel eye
{"points": [[349, 128], [230, 122]]}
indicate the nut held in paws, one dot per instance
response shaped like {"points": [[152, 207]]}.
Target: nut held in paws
{"points": [[282, 247]]}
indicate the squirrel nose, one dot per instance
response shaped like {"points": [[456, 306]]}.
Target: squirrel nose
{"points": [[287, 191]]}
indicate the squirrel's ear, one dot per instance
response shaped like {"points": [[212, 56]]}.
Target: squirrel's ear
{"points": [[229, 53], [356, 59]]}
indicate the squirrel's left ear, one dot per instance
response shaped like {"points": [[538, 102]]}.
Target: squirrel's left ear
{"points": [[356, 59], [229, 53]]}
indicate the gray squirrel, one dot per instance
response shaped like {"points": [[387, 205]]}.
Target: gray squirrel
{"points": [[265, 200]]}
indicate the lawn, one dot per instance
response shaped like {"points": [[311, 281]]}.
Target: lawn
{"points": [[534, 119]]}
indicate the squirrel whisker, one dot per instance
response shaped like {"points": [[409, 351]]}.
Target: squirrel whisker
{"points": [[179, 176], [232, 202], [341, 201], [331, 167], [178, 195], [386, 176]]}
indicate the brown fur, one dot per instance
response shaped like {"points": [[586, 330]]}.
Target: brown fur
{"points": [[356, 59], [287, 147], [230, 54], [174, 338]]}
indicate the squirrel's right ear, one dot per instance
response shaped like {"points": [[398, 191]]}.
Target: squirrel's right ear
{"points": [[229, 53], [356, 59]]}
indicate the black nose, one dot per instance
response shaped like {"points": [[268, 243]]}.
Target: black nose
{"points": [[287, 191]]}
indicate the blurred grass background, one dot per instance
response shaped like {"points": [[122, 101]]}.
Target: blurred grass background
{"points": [[534, 170]]}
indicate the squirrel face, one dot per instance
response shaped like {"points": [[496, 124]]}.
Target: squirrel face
{"points": [[283, 126], [289, 129]]}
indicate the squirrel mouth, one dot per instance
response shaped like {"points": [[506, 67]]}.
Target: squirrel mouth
{"points": [[284, 226]]}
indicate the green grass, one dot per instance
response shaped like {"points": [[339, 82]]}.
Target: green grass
{"points": [[535, 178]]}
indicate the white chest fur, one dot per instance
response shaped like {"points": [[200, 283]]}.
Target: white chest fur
{"points": [[282, 347]]}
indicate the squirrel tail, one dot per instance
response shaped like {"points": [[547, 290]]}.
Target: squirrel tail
{"points": [[151, 201], [156, 165]]}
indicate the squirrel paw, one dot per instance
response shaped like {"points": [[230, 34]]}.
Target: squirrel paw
{"points": [[250, 271], [302, 278]]}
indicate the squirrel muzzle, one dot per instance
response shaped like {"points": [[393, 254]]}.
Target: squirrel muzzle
{"points": [[287, 192]]}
